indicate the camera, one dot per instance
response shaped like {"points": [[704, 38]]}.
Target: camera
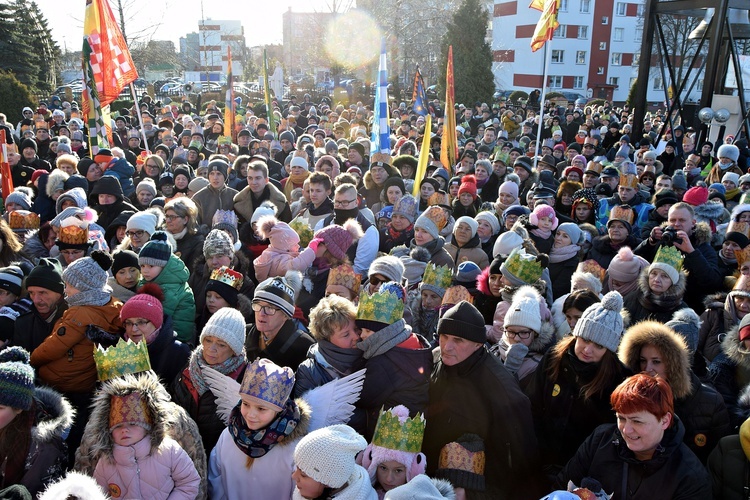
{"points": [[669, 236]]}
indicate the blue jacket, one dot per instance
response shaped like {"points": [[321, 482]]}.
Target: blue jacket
{"points": [[123, 171]]}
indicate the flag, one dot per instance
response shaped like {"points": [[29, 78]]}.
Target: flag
{"points": [[269, 109], [381, 129], [7, 177], [424, 155], [547, 23], [229, 100], [418, 96], [449, 142], [107, 66]]}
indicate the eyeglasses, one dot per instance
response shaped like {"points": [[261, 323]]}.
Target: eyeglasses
{"points": [[267, 310], [343, 203], [137, 324], [170, 218], [588, 145], [135, 234], [151, 165], [520, 335]]}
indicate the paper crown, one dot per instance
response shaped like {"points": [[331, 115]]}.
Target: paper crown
{"points": [[523, 266], [742, 285], [436, 215], [592, 267], [23, 219], [739, 227], [454, 456], [440, 199], [622, 212], [594, 166], [438, 276], [742, 255], [130, 408], [345, 276], [383, 306], [73, 235], [670, 256], [227, 276], [396, 431], [267, 383], [629, 180], [133, 134], [224, 140], [380, 159], [196, 145], [125, 357], [225, 217], [455, 294], [301, 226]]}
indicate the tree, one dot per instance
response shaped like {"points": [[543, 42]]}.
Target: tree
{"points": [[631, 95], [472, 55], [16, 53], [45, 54], [14, 96]]}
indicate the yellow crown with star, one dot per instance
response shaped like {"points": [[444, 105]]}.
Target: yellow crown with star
{"points": [[670, 256], [227, 276], [396, 431], [345, 276], [303, 230], [383, 306], [121, 359], [438, 276]]}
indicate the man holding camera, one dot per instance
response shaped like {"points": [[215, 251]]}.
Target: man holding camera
{"points": [[693, 240]]}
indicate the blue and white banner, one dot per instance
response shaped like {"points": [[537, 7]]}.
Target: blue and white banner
{"points": [[381, 130]]}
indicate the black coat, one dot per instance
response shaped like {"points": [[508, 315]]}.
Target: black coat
{"points": [[289, 347], [30, 329], [729, 469], [189, 247], [673, 472], [705, 417], [167, 354], [561, 274], [603, 253], [481, 397]]}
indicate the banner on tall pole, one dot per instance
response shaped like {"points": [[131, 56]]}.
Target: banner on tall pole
{"points": [[424, 156], [449, 142], [547, 24], [7, 176], [267, 88], [381, 129], [419, 95], [229, 114]]}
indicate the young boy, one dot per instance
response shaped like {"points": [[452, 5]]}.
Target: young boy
{"points": [[126, 273], [217, 195]]}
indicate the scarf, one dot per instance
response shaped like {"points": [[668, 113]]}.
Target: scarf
{"points": [[624, 289], [427, 320], [342, 360], [542, 233], [383, 340], [197, 363], [731, 194], [256, 444], [325, 208], [90, 298], [563, 254], [341, 215], [181, 234], [731, 262], [663, 302], [480, 184], [395, 235]]}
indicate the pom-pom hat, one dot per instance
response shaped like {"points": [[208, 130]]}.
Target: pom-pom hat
{"points": [[524, 309], [157, 251], [338, 239], [16, 379], [602, 322]]}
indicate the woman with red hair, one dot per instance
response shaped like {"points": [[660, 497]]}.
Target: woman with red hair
{"points": [[643, 453]]}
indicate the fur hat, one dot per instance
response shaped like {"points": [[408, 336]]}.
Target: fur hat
{"points": [[524, 310], [74, 485], [602, 323], [16, 379], [56, 182], [281, 236], [729, 151], [327, 455], [281, 292], [421, 487], [228, 325], [338, 239]]}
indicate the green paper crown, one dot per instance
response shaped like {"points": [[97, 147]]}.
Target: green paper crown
{"points": [[396, 431], [670, 256], [438, 276], [384, 307], [303, 230], [125, 357], [523, 266]]}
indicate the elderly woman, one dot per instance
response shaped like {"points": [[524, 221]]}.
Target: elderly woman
{"points": [[661, 288], [643, 452], [181, 221], [619, 234]]}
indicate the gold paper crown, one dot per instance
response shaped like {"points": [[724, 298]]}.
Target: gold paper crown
{"points": [[739, 227], [453, 456], [23, 219], [622, 212], [439, 198], [303, 230], [455, 294], [382, 307], [742, 255], [73, 235], [592, 267], [131, 409], [629, 180], [125, 357], [438, 276], [594, 166], [345, 276], [396, 431], [670, 256], [380, 158], [227, 276], [742, 285], [436, 215]]}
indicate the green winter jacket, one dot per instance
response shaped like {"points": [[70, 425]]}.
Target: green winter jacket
{"points": [[178, 298]]}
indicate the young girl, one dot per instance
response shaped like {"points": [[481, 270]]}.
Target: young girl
{"points": [[139, 459], [126, 273], [468, 202], [543, 221], [564, 258], [585, 206], [283, 253]]}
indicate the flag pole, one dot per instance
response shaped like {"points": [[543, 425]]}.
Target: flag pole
{"points": [[541, 105], [140, 118]]}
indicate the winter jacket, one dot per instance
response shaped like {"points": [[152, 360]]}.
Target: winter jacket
{"points": [[179, 302], [174, 439], [65, 360], [245, 203], [654, 220], [47, 454], [357, 487], [189, 247], [603, 252], [167, 354], [123, 171], [108, 213], [561, 274], [460, 403], [30, 329], [472, 252], [718, 318], [34, 248], [729, 467], [313, 215], [210, 199], [524, 362], [643, 304], [639, 204], [200, 274], [288, 348], [716, 173], [388, 242], [485, 301], [674, 471], [274, 262], [270, 476], [316, 371], [730, 374]]}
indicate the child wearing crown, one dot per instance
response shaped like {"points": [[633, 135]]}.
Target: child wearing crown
{"points": [[426, 305], [223, 290]]}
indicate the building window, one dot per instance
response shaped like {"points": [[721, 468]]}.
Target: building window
{"points": [[602, 45], [616, 59], [658, 83], [558, 56], [621, 8], [619, 34], [641, 10], [638, 34], [600, 70], [564, 6], [577, 82], [583, 32], [581, 57], [614, 80], [555, 82], [585, 6], [561, 31], [605, 20]]}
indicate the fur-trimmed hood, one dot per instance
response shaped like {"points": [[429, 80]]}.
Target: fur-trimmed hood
{"points": [[709, 211], [57, 412], [74, 485], [737, 210], [483, 282], [733, 349], [55, 182], [671, 346], [674, 293]]}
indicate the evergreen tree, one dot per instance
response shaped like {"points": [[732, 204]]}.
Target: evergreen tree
{"points": [[15, 53], [44, 44], [14, 96], [472, 55]]}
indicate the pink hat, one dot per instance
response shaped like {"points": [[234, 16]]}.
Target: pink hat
{"points": [[338, 239], [281, 236], [543, 211]]}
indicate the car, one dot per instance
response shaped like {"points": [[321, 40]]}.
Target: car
{"points": [[502, 95]]}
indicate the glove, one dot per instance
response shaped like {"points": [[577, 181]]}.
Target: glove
{"points": [[515, 357], [98, 335], [314, 244]]}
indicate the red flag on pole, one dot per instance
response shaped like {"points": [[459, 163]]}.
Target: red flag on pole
{"points": [[449, 143], [547, 24], [7, 177]]}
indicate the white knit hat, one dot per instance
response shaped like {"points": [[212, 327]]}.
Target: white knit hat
{"points": [[142, 221], [602, 323], [327, 454], [524, 310], [228, 325]]}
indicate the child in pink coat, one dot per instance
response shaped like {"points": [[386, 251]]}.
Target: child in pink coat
{"points": [[283, 253]]}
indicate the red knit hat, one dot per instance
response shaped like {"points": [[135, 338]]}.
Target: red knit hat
{"points": [[696, 196], [146, 304], [37, 173], [468, 185]]}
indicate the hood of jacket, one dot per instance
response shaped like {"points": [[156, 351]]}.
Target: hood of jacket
{"points": [[175, 272], [483, 282], [671, 347], [733, 349], [674, 293], [742, 207], [710, 211], [54, 414]]}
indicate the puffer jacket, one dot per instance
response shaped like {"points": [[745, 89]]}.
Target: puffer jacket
{"points": [[718, 318], [189, 247], [274, 262], [65, 360], [170, 421], [178, 298], [730, 374], [729, 466], [30, 329], [643, 304], [123, 172], [472, 252], [167, 354], [700, 408]]}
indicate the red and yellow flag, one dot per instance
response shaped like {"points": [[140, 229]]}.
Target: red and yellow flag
{"points": [[7, 178], [547, 23], [449, 142], [229, 100]]}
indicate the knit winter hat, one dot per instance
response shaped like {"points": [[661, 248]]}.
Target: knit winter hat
{"points": [[572, 230], [130, 409], [338, 239], [142, 221], [473, 225], [506, 243], [602, 323], [156, 251], [47, 274], [145, 304], [543, 211], [218, 242], [465, 321], [665, 197], [686, 323], [522, 268], [227, 283], [388, 266], [16, 379], [281, 236], [729, 151], [696, 196], [265, 208], [462, 463], [407, 207], [267, 383], [197, 184], [21, 196], [490, 218], [524, 310], [468, 185], [122, 259], [228, 325], [280, 292], [327, 454], [89, 273], [679, 181], [625, 267], [467, 274], [220, 166], [510, 188], [432, 221], [731, 177], [146, 184], [11, 279]]}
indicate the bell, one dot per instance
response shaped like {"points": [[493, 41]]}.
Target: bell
{"points": [[738, 20]]}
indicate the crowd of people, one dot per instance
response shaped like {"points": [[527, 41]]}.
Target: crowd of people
{"points": [[565, 313]]}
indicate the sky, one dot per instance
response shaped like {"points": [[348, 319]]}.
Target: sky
{"points": [[172, 19]]}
